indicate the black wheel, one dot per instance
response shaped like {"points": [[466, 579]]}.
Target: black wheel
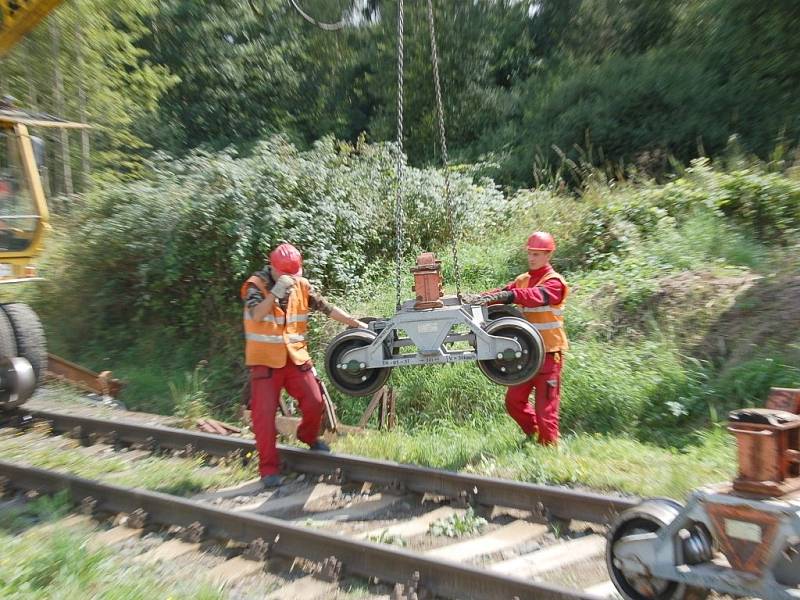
{"points": [[517, 369], [8, 341], [497, 311], [29, 334], [355, 382], [648, 517]]}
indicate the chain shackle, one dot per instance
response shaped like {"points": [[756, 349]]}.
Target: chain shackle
{"points": [[450, 208]]}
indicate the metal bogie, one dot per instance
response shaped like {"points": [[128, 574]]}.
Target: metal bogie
{"points": [[660, 550], [509, 350]]}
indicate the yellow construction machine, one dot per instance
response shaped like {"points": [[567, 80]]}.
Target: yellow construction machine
{"points": [[23, 217]]}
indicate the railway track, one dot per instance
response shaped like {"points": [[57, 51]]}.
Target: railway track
{"points": [[367, 518]]}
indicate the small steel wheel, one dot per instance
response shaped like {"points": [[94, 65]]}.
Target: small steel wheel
{"points": [[17, 381], [351, 379], [648, 517], [513, 370]]}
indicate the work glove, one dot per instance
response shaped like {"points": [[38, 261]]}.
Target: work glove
{"points": [[283, 286], [503, 297]]}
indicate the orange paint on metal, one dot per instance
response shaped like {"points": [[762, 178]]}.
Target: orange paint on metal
{"points": [[18, 17], [748, 555]]}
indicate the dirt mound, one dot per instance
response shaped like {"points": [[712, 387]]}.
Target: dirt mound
{"points": [[687, 305], [764, 315], [724, 318]]}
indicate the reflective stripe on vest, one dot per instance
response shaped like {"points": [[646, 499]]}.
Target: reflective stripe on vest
{"points": [[274, 339], [267, 319], [279, 320], [546, 326], [281, 335], [549, 319], [540, 309]]}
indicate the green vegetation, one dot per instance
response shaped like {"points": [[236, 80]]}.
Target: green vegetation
{"points": [[526, 83], [457, 525], [40, 558], [384, 537], [599, 462], [171, 476]]}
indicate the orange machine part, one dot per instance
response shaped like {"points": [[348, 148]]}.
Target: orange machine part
{"points": [[768, 444], [427, 281]]}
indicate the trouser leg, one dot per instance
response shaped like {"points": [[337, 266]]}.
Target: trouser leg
{"points": [[303, 387], [519, 408], [265, 390], [548, 399]]}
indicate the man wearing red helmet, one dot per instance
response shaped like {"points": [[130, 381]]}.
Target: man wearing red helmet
{"points": [[277, 302], [541, 293]]}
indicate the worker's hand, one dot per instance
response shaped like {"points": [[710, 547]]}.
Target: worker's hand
{"points": [[471, 298], [503, 297], [356, 324], [283, 286]]}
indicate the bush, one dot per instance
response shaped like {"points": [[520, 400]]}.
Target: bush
{"points": [[159, 262]]}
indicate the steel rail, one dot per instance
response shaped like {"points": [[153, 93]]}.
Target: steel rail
{"points": [[364, 558], [547, 501]]}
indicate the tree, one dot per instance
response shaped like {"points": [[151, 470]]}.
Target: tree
{"points": [[106, 77]]}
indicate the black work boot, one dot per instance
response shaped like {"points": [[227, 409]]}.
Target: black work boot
{"points": [[271, 481], [319, 446]]}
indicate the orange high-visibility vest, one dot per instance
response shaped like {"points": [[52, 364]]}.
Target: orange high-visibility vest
{"points": [[548, 320], [281, 334]]}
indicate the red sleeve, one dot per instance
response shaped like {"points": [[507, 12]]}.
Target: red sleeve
{"points": [[549, 293]]}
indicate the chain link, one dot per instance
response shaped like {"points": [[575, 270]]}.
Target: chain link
{"points": [[450, 208], [398, 204]]}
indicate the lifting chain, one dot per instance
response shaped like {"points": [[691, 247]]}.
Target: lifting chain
{"points": [[326, 26], [398, 203], [398, 206], [449, 207]]}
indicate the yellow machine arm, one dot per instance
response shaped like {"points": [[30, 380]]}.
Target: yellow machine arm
{"points": [[19, 17]]}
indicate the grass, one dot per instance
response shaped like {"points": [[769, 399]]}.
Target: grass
{"points": [[600, 462], [51, 562], [457, 525], [172, 476]]}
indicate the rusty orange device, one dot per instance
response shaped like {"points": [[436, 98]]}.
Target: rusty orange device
{"points": [[427, 282], [768, 445]]}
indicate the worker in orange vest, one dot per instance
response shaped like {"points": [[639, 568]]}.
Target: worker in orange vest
{"points": [[541, 293], [277, 302]]}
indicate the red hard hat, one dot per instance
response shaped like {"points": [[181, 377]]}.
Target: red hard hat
{"points": [[287, 259], [541, 240]]}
